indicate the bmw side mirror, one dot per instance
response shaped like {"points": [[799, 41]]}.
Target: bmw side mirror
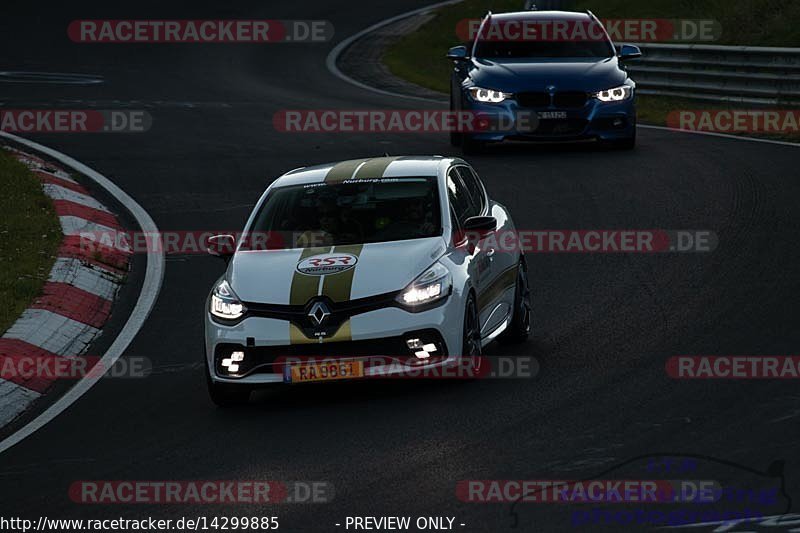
{"points": [[222, 246], [629, 51], [458, 53]]}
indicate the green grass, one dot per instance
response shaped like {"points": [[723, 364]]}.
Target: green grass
{"points": [[419, 56], [30, 235], [654, 110], [744, 22]]}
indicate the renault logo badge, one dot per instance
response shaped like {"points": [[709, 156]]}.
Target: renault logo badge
{"points": [[319, 313]]}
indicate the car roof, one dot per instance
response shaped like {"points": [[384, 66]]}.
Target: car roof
{"points": [[375, 167], [541, 15]]}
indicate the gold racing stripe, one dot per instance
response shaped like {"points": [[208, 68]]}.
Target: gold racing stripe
{"points": [[374, 168], [506, 280], [296, 336], [305, 287], [337, 287], [343, 171]]}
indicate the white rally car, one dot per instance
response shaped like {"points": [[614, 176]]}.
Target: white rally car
{"points": [[373, 258]]}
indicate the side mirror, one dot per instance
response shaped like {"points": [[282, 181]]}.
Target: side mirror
{"points": [[458, 53], [629, 51], [480, 226], [222, 246]]}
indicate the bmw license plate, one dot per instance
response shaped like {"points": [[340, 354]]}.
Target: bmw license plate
{"points": [[326, 371], [552, 114]]}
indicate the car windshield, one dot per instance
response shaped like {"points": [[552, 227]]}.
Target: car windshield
{"points": [[359, 211], [542, 39]]}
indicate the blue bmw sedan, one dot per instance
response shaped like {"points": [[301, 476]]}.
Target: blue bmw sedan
{"points": [[543, 76]]}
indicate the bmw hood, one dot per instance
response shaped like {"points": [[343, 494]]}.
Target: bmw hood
{"points": [[292, 277], [588, 75]]}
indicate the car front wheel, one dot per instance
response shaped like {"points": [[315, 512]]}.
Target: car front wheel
{"points": [[520, 326], [471, 343]]}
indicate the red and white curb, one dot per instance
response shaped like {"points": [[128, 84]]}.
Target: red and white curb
{"points": [[76, 300], [145, 302]]}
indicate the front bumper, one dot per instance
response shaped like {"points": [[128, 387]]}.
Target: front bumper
{"points": [[510, 120], [377, 337]]}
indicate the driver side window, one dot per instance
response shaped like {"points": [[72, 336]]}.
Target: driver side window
{"points": [[459, 197]]}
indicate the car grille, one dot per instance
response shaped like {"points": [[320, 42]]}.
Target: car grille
{"points": [[340, 312], [562, 100], [533, 99]]}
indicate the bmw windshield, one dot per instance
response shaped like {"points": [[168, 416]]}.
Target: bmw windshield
{"points": [[542, 39], [359, 211]]}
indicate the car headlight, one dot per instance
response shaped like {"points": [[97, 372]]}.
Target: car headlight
{"points": [[224, 302], [433, 285], [617, 94], [488, 96]]}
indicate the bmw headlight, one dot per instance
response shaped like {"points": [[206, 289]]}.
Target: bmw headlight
{"points": [[224, 302], [433, 285], [617, 94], [488, 96]]}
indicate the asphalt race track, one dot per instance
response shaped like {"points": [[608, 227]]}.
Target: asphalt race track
{"points": [[605, 324]]}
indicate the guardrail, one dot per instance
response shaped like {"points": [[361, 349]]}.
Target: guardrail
{"points": [[744, 74]]}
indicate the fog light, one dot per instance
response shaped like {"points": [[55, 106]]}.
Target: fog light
{"points": [[423, 351], [231, 364], [414, 344]]}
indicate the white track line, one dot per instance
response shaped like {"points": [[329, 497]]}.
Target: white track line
{"points": [[723, 135], [333, 56], [333, 68], [154, 276]]}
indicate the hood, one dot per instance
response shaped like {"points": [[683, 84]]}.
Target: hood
{"points": [[514, 75], [341, 272]]}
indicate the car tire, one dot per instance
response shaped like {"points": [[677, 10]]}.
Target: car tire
{"points": [[226, 395], [519, 329], [471, 335]]}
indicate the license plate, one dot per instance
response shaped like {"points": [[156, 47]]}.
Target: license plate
{"points": [[552, 114], [327, 371]]}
